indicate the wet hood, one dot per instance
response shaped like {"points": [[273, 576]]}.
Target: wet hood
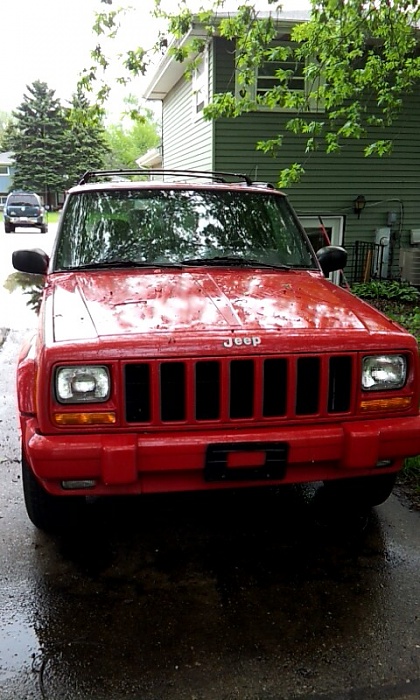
{"points": [[117, 302]]}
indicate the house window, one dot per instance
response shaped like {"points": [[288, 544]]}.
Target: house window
{"points": [[200, 84], [4, 170], [267, 75], [267, 78]]}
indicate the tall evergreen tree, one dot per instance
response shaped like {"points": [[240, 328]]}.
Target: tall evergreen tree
{"points": [[86, 144], [38, 139], [53, 145]]}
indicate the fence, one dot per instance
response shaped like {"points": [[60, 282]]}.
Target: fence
{"points": [[365, 261]]}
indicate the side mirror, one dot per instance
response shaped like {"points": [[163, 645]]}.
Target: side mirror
{"points": [[331, 258], [32, 261]]}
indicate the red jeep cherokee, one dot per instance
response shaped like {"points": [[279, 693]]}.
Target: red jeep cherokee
{"points": [[188, 339]]}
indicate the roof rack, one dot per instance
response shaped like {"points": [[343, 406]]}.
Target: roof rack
{"points": [[216, 176]]}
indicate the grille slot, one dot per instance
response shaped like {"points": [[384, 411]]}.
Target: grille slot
{"points": [[199, 391], [172, 391], [137, 393], [340, 383], [207, 390], [241, 398], [307, 386], [274, 387]]}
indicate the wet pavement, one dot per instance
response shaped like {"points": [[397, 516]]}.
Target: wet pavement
{"points": [[207, 597], [222, 596]]}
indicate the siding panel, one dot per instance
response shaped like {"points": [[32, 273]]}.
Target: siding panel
{"points": [[331, 182], [188, 140]]}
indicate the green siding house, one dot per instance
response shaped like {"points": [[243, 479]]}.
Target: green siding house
{"points": [[383, 239], [6, 175]]}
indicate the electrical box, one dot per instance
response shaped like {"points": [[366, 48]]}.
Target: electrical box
{"points": [[415, 236], [383, 239]]}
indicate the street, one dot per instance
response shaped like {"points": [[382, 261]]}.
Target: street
{"points": [[14, 312], [220, 596]]}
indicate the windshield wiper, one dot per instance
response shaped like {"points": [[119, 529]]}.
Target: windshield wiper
{"points": [[231, 260], [119, 263], [235, 260]]}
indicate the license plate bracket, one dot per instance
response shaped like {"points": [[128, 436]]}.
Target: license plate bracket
{"points": [[273, 467]]}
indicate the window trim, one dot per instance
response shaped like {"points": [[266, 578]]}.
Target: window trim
{"points": [[335, 226], [251, 91], [200, 84]]}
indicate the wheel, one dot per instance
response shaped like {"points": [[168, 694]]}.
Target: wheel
{"points": [[44, 228], [9, 228], [52, 514], [364, 492]]}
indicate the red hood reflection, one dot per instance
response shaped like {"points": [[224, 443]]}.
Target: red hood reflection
{"points": [[117, 302]]}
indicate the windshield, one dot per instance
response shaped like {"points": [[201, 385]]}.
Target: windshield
{"points": [[177, 226], [22, 199]]}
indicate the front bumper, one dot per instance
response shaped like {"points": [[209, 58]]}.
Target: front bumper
{"points": [[132, 463], [24, 220]]}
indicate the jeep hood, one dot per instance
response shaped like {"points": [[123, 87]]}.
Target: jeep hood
{"points": [[111, 303]]}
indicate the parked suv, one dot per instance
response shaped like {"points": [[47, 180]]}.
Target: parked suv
{"points": [[24, 209], [189, 339]]}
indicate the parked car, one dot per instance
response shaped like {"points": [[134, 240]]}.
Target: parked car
{"points": [[24, 209], [189, 339]]}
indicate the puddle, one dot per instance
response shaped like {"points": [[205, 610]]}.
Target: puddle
{"points": [[18, 643]]}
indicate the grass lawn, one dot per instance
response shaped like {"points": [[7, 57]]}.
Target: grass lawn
{"points": [[53, 217]]}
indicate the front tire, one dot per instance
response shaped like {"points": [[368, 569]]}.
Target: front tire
{"points": [[8, 228], [362, 492], [53, 514]]}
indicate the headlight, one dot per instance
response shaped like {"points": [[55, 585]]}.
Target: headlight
{"points": [[382, 372], [82, 384]]}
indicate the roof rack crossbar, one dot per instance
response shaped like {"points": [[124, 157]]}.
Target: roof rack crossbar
{"points": [[213, 174]]}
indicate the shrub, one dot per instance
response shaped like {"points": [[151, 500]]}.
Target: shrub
{"points": [[387, 289]]}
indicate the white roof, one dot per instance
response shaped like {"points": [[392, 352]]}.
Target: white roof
{"points": [[168, 71]]}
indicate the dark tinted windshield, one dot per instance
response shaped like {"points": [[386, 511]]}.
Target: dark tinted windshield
{"points": [[173, 226], [20, 199]]}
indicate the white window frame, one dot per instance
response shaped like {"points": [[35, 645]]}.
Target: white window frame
{"points": [[251, 91], [200, 85], [6, 170], [334, 225]]}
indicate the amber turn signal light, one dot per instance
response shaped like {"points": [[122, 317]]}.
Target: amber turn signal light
{"points": [[107, 418], [397, 403]]}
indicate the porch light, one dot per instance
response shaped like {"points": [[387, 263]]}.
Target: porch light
{"points": [[359, 204]]}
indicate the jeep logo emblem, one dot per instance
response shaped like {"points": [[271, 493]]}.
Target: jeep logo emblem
{"points": [[230, 342]]}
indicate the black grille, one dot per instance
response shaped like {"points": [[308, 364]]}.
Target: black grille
{"points": [[242, 389], [207, 390], [307, 386], [197, 391]]}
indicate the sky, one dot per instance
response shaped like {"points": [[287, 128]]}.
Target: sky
{"points": [[51, 41]]}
